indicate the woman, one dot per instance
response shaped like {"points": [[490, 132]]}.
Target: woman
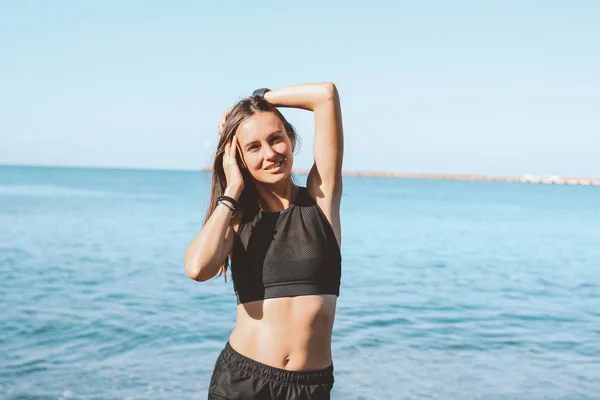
{"points": [[283, 241]]}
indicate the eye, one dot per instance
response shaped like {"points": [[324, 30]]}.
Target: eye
{"points": [[252, 148]]}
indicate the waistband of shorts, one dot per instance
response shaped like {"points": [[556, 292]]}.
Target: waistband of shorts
{"points": [[239, 361]]}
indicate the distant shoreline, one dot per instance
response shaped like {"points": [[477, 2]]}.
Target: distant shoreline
{"points": [[532, 179]]}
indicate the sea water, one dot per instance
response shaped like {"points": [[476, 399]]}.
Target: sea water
{"points": [[473, 290]]}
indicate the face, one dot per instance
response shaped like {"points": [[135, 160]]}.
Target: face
{"points": [[266, 147]]}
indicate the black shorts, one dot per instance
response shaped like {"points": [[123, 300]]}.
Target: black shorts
{"points": [[238, 377]]}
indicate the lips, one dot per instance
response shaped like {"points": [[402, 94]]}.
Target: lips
{"points": [[275, 166]]}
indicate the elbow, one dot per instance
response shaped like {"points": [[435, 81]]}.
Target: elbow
{"points": [[330, 91], [327, 95], [193, 269], [192, 272], [196, 275], [197, 272]]}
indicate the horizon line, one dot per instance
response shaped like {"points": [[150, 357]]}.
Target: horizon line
{"points": [[525, 178]]}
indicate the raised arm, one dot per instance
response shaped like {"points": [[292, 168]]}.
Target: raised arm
{"points": [[325, 176]]}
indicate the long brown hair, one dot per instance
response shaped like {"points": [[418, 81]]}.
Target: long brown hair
{"points": [[248, 200]]}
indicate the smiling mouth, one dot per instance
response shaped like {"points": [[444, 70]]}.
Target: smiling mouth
{"points": [[275, 167]]}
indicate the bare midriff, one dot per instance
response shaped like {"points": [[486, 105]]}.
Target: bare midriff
{"points": [[292, 333]]}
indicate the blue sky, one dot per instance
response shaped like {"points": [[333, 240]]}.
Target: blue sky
{"points": [[489, 87]]}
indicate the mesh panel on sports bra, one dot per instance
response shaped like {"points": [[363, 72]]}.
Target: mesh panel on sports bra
{"points": [[289, 253]]}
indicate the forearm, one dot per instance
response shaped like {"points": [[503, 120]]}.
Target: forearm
{"points": [[307, 96], [207, 250]]}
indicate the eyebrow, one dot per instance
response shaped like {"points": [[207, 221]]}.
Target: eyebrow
{"points": [[268, 137]]}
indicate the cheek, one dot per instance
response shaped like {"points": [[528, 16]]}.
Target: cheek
{"points": [[253, 160], [282, 147]]}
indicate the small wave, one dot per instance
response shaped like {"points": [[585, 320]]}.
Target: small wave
{"points": [[12, 255], [539, 317], [25, 368]]}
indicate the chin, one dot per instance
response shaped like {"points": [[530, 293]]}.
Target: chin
{"points": [[274, 178], [268, 177]]}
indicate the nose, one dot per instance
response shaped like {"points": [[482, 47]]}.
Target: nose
{"points": [[269, 152]]}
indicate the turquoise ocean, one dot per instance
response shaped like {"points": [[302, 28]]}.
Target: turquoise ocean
{"points": [[470, 290]]}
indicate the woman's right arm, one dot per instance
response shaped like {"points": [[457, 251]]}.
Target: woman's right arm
{"points": [[207, 251]]}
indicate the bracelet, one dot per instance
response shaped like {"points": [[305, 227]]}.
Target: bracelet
{"points": [[233, 201], [260, 92], [227, 205]]}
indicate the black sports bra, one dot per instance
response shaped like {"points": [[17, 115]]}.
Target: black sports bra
{"points": [[287, 253]]}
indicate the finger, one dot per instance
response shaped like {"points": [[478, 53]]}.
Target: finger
{"points": [[226, 152], [239, 151], [233, 147]]}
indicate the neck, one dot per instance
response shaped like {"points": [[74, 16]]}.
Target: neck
{"points": [[276, 197]]}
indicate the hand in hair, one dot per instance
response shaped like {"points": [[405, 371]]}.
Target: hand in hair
{"points": [[223, 120], [230, 165]]}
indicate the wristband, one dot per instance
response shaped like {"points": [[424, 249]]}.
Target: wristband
{"points": [[260, 92], [227, 205], [233, 201]]}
